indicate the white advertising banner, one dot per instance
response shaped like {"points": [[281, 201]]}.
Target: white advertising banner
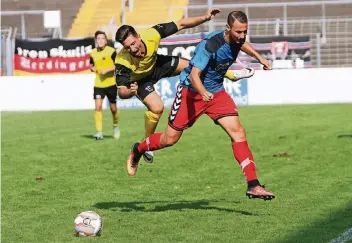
{"points": [[300, 86], [75, 92]]}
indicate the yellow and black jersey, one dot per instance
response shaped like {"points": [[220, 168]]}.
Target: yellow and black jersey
{"points": [[103, 59], [130, 68]]}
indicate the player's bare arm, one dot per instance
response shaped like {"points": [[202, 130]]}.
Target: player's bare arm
{"points": [[92, 68], [126, 93], [107, 70], [198, 84], [171, 28], [134, 88], [248, 49], [187, 23]]}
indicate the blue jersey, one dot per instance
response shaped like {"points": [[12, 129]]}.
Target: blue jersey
{"points": [[213, 56]]}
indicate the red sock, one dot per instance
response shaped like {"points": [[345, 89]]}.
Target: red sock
{"points": [[151, 143], [244, 157]]}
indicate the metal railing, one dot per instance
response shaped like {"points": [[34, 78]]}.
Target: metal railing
{"points": [[249, 6], [7, 50], [334, 49], [322, 29], [57, 32], [273, 27]]}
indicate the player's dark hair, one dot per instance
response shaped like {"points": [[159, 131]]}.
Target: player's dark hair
{"points": [[123, 32], [239, 15], [99, 32]]}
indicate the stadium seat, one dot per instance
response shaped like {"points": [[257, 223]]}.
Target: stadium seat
{"points": [[94, 14], [34, 23], [147, 13]]}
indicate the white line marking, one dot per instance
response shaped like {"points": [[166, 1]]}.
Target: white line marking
{"points": [[344, 237]]}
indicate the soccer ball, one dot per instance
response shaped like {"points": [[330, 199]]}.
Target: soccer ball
{"points": [[88, 223]]}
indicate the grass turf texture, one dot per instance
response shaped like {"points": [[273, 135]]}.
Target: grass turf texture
{"points": [[193, 192]]}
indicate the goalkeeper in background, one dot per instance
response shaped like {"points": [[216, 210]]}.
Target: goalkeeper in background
{"points": [[102, 61]]}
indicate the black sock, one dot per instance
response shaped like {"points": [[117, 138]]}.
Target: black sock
{"points": [[135, 148], [253, 183]]}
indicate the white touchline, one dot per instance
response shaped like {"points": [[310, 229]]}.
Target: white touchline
{"points": [[347, 235]]}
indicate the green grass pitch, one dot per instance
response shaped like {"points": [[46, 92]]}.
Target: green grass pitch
{"points": [[193, 192]]}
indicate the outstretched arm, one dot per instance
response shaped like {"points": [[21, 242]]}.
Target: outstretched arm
{"points": [[187, 23], [247, 48], [167, 29]]}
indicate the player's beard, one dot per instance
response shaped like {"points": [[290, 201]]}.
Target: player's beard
{"points": [[242, 40], [238, 40], [234, 40]]}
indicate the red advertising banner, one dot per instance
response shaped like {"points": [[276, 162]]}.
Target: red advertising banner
{"points": [[53, 56]]}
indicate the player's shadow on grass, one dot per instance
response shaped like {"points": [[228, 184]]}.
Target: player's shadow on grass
{"points": [[323, 230], [91, 136], [161, 206], [345, 136]]}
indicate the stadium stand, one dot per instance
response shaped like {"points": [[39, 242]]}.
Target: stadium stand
{"points": [[34, 23], [80, 18], [92, 15], [146, 12], [255, 13], [336, 49]]}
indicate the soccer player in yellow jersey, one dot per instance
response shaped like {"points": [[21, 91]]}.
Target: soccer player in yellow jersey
{"points": [[139, 67], [102, 61]]}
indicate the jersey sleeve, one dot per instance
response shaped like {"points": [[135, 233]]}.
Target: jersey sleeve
{"points": [[123, 59], [123, 75], [113, 56], [166, 29], [91, 60], [201, 57]]}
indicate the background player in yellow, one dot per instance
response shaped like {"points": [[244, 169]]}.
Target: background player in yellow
{"points": [[139, 67], [102, 63]]}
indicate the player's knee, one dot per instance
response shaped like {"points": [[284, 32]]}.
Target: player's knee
{"points": [[113, 109], [238, 134], [98, 108], [157, 108], [241, 130], [170, 140]]}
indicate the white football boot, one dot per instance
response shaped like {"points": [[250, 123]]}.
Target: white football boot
{"points": [[243, 73], [98, 136], [116, 132], [148, 157]]}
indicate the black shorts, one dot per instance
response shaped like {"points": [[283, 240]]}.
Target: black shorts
{"points": [[165, 66], [110, 92]]}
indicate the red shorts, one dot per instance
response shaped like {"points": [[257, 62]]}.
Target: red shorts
{"points": [[188, 106]]}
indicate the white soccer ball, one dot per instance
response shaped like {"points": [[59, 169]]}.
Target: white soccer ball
{"points": [[88, 223]]}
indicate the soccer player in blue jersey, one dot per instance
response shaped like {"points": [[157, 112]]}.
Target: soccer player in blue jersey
{"points": [[201, 91]]}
